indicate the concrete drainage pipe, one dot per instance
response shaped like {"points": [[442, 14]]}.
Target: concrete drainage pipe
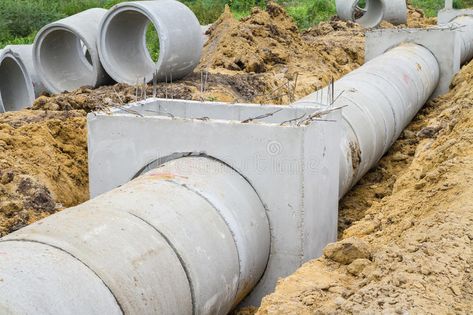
{"points": [[190, 237], [395, 11], [122, 43], [65, 53], [381, 98], [369, 16], [16, 87], [25, 53], [375, 11]]}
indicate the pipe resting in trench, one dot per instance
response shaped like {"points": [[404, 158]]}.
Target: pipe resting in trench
{"points": [[381, 98], [192, 236], [192, 243]]}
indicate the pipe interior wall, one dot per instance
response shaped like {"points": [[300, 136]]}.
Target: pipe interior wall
{"points": [[65, 53], [25, 54]]}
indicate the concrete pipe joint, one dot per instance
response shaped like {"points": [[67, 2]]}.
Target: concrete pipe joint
{"points": [[380, 99], [189, 237], [16, 86], [123, 47], [65, 53]]}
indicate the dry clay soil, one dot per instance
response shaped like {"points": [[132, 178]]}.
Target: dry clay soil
{"points": [[406, 230]]}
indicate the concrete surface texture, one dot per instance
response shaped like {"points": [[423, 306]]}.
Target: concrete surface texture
{"points": [[122, 42], [65, 53], [16, 87]]}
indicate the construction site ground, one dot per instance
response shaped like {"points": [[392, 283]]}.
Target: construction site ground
{"points": [[406, 229]]}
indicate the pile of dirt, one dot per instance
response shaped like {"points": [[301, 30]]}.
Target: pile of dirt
{"points": [[269, 43], [43, 165], [208, 87], [407, 228], [417, 19]]}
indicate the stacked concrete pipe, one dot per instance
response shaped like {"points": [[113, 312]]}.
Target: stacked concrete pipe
{"points": [[393, 11], [65, 53], [16, 86], [25, 54], [122, 42]]}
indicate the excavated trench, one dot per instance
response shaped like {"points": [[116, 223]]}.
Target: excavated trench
{"points": [[31, 191]]}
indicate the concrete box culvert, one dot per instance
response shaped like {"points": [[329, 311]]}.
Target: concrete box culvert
{"points": [[16, 87], [65, 53], [123, 48]]}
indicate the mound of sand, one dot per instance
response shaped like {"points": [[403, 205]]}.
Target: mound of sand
{"points": [[43, 165], [268, 43]]}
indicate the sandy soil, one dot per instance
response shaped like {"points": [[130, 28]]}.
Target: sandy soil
{"points": [[43, 165]]}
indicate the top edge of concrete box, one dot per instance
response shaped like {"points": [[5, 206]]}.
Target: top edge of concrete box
{"points": [[281, 115]]}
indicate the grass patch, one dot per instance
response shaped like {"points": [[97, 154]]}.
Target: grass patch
{"points": [[431, 7]]}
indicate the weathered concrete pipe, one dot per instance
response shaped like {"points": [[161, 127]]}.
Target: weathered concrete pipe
{"points": [[65, 53], [381, 98], [25, 54], [190, 237], [375, 11], [16, 87], [122, 43]]}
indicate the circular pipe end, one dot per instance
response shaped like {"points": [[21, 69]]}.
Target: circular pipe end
{"points": [[16, 87], [123, 48], [64, 59], [65, 54], [370, 16]]}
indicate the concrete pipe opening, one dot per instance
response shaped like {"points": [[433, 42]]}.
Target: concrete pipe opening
{"points": [[65, 53], [16, 88], [123, 45], [367, 13], [63, 64]]}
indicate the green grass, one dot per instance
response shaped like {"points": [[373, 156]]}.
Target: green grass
{"points": [[431, 7], [21, 19]]}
